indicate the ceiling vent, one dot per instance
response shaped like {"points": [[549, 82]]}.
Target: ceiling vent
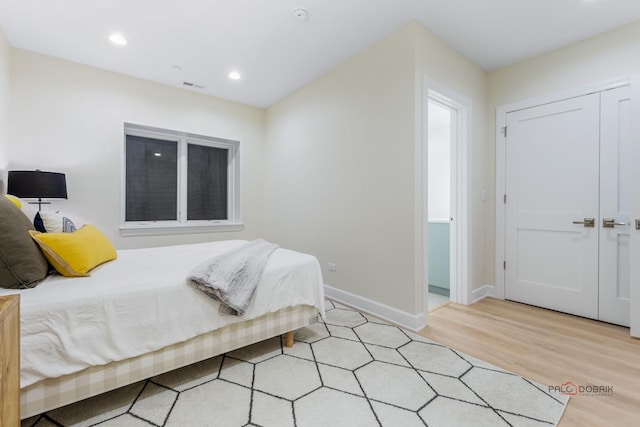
{"points": [[197, 86]]}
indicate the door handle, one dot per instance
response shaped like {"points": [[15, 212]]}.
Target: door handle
{"points": [[637, 224], [587, 222], [610, 223]]}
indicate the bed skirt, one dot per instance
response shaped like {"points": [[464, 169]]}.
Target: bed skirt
{"points": [[53, 393]]}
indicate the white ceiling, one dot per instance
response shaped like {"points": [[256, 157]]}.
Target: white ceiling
{"points": [[275, 53]]}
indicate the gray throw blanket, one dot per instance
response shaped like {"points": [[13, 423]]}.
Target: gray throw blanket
{"points": [[232, 277]]}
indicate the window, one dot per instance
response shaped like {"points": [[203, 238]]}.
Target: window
{"points": [[176, 182], [207, 172], [152, 179]]}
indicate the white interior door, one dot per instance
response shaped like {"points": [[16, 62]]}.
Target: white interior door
{"points": [[615, 185], [552, 156]]}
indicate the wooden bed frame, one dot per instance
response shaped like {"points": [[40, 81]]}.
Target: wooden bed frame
{"points": [[9, 360], [53, 393]]}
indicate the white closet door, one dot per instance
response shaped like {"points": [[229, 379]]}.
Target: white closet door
{"points": [[552, 155], [615, 181]]}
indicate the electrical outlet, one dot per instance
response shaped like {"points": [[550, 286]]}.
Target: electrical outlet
{"points": [[331, 266]]}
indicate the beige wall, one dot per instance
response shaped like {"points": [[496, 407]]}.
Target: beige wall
{"points": [[69, 118], [602, 58], [341, 172], [337, 173], [5, 63]]}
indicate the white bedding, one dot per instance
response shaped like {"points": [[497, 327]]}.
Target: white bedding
{"points": [[141, 303]]}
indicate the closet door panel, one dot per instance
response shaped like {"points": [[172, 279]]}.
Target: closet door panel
{"points": [[552, 158], [634, 201], [615, 184]]}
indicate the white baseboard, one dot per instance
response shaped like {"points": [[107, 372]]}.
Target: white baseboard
{"points": [[483, 292], [413, 322]]}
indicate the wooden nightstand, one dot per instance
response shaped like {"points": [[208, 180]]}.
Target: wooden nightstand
{"points": [[10, 361]]}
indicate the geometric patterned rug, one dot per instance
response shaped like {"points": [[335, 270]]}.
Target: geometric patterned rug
{"points": [[353, 370]]}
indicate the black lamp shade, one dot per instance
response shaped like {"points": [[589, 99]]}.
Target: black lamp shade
{"points": [[37, 184]]}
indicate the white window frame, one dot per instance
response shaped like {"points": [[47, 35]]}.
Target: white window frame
{"points": [[182, 225]]}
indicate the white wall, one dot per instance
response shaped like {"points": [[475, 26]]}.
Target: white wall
{"points": [[5, 62], [67, 117], [342, 178], [602, 58]]}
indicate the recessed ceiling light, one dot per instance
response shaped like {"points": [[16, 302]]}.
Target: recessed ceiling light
{"points": [[118, 39], [234, 75]]}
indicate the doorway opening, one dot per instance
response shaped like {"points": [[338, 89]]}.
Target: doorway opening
{"points": [[439, 100], [442, 121]]}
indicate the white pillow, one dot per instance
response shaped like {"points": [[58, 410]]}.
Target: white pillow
{"points": [[56, 222]]}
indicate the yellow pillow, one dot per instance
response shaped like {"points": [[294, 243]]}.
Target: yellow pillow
{"points": [[75, 254], [15, 200]]}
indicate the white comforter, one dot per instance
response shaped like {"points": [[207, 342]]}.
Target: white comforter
{"points": [[141, 303]]}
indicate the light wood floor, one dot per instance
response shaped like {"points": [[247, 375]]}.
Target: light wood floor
{"points": [[550, 348]]}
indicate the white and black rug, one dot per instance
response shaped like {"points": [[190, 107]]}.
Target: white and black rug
{"points": [[352, 371]]}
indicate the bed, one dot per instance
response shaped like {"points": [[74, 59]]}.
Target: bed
{"points": [[136, 317]]}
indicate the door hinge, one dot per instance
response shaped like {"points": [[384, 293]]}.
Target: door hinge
{"points": [[504, 265], [504, 199], [503, 130]]}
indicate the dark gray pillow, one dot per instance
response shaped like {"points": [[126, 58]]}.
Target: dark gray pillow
{"points": [[22, 265]]}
